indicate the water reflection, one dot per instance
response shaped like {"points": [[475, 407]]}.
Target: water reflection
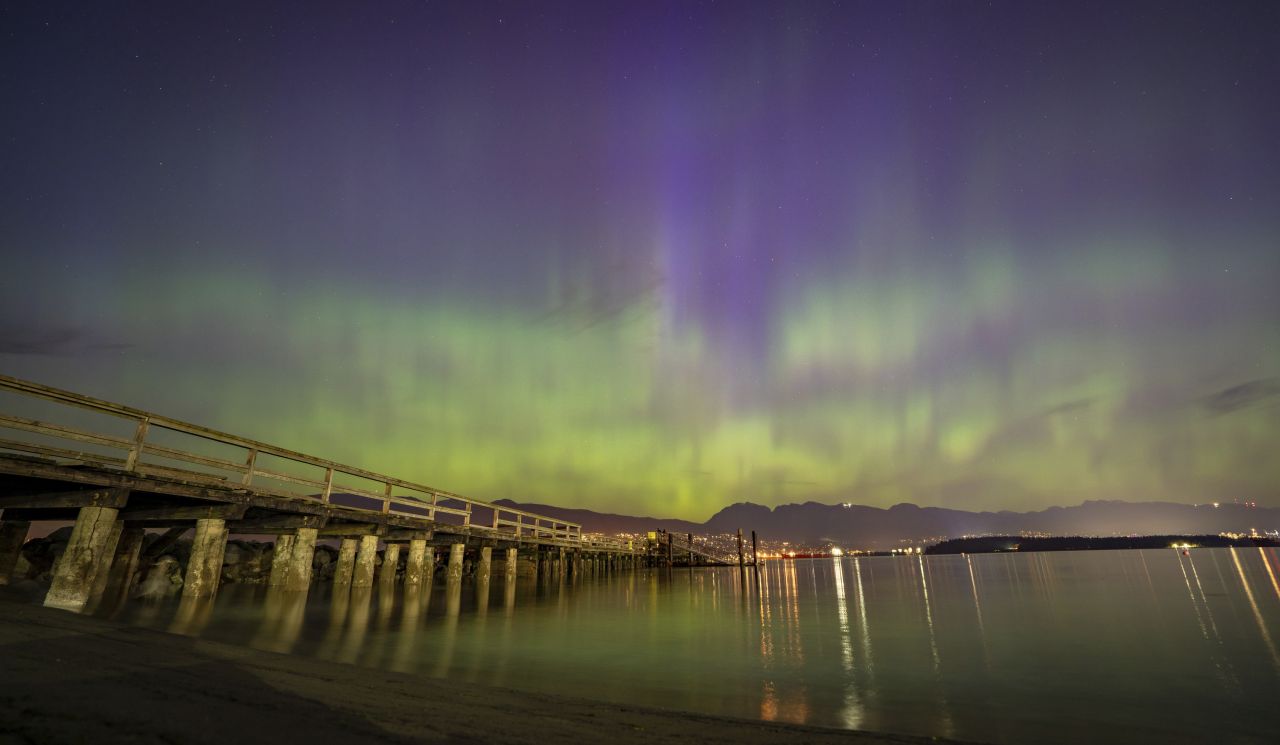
{"points": [[282, 616], [984, 647], [1257, 614], [192, 616]]}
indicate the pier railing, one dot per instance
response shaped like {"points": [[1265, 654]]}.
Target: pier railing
{"points": [[227, 460], [680, 544]]}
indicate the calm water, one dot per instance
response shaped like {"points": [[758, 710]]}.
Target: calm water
{"points": [[1114, 646]]}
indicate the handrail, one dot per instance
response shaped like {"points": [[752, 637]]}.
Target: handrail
{"points": [[681, 543], [539, 525]]}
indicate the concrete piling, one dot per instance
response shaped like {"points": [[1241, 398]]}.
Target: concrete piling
{"points": [[125, 564], [390, 564], [346, 566], [280, 556], [13, 533], [297, 571], [511, 564], [417, 566], [103, 573], [486, 562], [456, 552], [84, 556], [365, 560], [204, 568]]}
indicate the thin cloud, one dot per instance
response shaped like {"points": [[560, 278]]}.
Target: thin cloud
{"points": [[1262, 392], [53, 342]]}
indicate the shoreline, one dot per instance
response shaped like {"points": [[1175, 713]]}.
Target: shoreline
{"points": [[70, 678]]}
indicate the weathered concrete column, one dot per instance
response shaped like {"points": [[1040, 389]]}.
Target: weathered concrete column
{"points": [[125, 564], [455, 562], [280, 556], [346, 562], [486, 563], [297, 571], [365, 559], [204, 569], [511, 563], [13, 533], [103, 574], [415, 565], [390, 563], [86, 554], [560, 567], [482, 580]]}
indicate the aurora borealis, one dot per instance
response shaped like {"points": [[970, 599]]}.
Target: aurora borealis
{"points": [[654, 258]]}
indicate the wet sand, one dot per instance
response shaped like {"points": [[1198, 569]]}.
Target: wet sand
{"points": [[66, 678]]}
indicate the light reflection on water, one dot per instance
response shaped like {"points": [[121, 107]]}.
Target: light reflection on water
{"points": [[1114, 646]]}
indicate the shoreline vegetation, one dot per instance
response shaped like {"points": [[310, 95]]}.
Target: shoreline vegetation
{"points": [[72, 678], [1023, 544]]}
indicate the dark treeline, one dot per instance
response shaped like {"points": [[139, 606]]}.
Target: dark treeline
{"points": [[992, 544]]}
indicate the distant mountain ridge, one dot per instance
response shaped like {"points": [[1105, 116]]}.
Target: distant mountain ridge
{"points": [[860, 526]]}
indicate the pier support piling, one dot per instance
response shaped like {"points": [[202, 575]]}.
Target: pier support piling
{"points": [[280, 556], [204, 568], [486, 563], [125, 565], [297, 571], [390, 564], [456, 552], [365, 560], [103, 574], [345, 569], [84, 556], [511, 564], [13, 533], [417, 565]]}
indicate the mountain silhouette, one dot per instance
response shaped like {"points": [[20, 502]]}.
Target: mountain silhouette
{"points": [[860, 526]]}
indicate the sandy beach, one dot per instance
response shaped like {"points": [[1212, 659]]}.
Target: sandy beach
{"points": [[66, 678]]}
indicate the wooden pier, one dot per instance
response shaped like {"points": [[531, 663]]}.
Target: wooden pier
{"points": [[117, 471]]}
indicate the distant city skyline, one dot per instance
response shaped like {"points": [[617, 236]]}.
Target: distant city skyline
{"points": [[660, 258]]}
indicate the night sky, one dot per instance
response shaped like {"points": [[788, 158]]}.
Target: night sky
{"points": [[656, 258]]}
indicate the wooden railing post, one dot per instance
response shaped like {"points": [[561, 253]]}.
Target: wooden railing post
{"points": [[386, 502], [135, 452], [328, 485], [249, 464]]}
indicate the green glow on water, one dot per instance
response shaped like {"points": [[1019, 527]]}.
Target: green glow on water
{"points": [[1001, 648]]}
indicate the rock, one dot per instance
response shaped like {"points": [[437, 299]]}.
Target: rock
{"points": [[162, 579], [324, 563], [38, 556]]}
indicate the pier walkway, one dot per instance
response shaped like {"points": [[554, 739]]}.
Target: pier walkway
{"points": [[117, 471]]}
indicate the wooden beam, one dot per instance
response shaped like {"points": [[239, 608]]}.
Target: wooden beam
{"points": [[165, 541], [114, 498], [186, 512], [41, 515], [348, 530], [276, 524], [400, 535]]}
